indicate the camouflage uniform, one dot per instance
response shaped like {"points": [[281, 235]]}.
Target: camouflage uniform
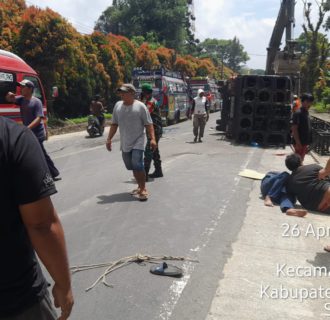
{"points": [[150, 155]]}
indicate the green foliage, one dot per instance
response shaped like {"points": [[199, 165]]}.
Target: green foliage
{"points": [[84, 65], [80, 120], [315, 45], [54, 122], [168, 19], [231, 52], [320, 108], [326, 97], [247, 71]]}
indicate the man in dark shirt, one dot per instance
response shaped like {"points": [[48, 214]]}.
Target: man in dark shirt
{"points": [[149, 154], [29, 223], [32, 115], [301, 126], [307, 183], [96, 108]]}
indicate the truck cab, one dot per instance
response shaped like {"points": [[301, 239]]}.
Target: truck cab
{"points": [[13, 69]]}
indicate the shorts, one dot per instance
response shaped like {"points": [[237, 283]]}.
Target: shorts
{"points": [[42, 310], [134, 160]]}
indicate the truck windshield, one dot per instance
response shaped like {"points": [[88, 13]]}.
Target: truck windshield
{"points": [[7, 83]]}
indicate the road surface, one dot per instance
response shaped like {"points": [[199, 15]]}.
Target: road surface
{"points": [[195, 211]]}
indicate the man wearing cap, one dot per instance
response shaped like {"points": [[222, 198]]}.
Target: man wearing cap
{"points": [[200, 110], [32, 115], [132, 117], [149, 154]]}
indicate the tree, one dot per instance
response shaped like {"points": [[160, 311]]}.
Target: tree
{"points": [[126, 54], [315, 55], [147, 58], [166, 57], [64, 58], [165, 18], [11, 12], [229, 52]]}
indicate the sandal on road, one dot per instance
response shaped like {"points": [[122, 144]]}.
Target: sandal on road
{"points": [[165, 269]]}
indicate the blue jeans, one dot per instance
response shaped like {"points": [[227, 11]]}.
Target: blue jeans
{"points": [[133, 160], [273, 185]]}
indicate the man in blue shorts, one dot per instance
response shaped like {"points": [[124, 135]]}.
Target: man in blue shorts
{"points": [[132, 117]]}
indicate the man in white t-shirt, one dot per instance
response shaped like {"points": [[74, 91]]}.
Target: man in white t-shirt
{"points": [[132, 116], [200, 110]]}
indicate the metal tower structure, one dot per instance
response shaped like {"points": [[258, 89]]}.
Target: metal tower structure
{"points": [[192, 18]]}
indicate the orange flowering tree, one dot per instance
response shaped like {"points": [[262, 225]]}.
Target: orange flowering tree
{"points": [[11, 12], [146, 58], [166, 57]]}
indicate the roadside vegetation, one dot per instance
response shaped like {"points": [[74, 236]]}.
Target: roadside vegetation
{"points": [[80, 66]]}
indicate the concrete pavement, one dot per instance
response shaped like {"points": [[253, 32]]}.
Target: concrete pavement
{"points": [[275, 251]]}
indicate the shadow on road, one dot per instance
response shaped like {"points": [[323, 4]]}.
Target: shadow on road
{"points": [[321, 259], [117, 197]]}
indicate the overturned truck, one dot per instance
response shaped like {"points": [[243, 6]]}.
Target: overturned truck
{"points": [[257, 110]]}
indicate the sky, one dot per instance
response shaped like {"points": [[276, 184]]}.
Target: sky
{"points": [[250, 21]]}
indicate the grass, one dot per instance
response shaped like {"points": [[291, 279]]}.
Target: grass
{"points": [[54, 122], [321, 108]]}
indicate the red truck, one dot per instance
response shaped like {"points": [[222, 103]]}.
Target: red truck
{"points": [[13, 69]]}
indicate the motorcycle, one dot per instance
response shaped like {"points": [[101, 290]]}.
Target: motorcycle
{"points": [[94, 127]]}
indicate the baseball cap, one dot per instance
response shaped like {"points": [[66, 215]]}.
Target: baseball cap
{"points": [[26, 83], [127, 87], [200, 91]]}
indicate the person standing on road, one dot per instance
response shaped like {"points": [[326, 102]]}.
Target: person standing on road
{"points": [[132, 117], [29, 224], [149, 154], [33, 116], [96, 108], [301, 126], [200, 110]]}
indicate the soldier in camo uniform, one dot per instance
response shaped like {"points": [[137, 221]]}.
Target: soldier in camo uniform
{"points": [[149, 155]]}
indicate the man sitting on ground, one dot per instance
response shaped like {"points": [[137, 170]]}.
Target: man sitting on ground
{"points": [[308, 184]]}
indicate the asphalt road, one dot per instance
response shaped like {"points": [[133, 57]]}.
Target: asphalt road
{"points": [[195, 211]]}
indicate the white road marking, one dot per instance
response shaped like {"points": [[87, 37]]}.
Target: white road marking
{"points": [[176, 289]]}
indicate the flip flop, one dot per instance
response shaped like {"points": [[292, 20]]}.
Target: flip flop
{"points": [[163, 269], [135, 192], [142, 196]]}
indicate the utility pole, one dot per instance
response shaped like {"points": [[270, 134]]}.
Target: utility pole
{"points": [[222, 64]]}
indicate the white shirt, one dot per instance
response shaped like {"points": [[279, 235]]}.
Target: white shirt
{"points": [[200, 105]]}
